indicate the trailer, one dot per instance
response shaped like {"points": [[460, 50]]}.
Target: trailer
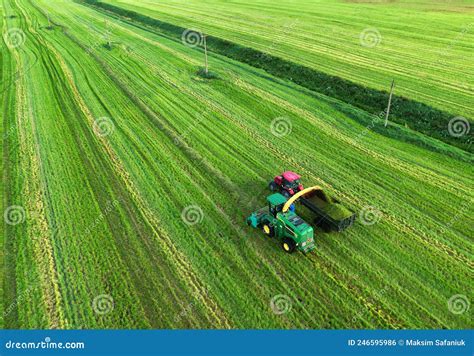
{"points": [[330, 215]]}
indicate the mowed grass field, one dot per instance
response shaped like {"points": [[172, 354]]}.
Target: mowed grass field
{"points": [[128, 178], [425, 46]]}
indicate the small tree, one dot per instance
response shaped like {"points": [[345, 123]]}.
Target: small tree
{"points": [[389, 103], [206, 66], [107, 35], [50, 27]]}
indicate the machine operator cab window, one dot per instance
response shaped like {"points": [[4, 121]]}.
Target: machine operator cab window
{"points": [[276, 202], [291, 185]]}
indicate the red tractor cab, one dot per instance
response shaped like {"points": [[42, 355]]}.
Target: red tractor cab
{"points": [[288, 184]]}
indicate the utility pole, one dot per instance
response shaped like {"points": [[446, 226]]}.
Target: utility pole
{"points": [[205, 55], [107, 37], [389, 103]]}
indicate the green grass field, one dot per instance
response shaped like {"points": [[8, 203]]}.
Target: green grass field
{"points": [[127, 178], [424, 45]]}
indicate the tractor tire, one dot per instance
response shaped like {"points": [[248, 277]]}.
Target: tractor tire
{"points": [[286, 194], [272, 186], [268, 229], [288, 245]]}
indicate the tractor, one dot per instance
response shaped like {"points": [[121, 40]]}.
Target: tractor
{"points": [[288, 184], [277, 220]]}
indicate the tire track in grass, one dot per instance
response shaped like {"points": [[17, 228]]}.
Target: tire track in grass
{"points": [[441, 246], [421, 173], [155, 119], [381, 259], [281, 67], [44, 250], [388, 320], [9, 130], [174, 84], [224, 214], [71, 287], [141, 284], [150, 298], [395, 223], [179, 259], [154, 42], [126, 22], [11, 288], [34, 205], [32, 41]]}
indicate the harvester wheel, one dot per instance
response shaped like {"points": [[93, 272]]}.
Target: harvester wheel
{"points": [[268, 230], [288, 245]]}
